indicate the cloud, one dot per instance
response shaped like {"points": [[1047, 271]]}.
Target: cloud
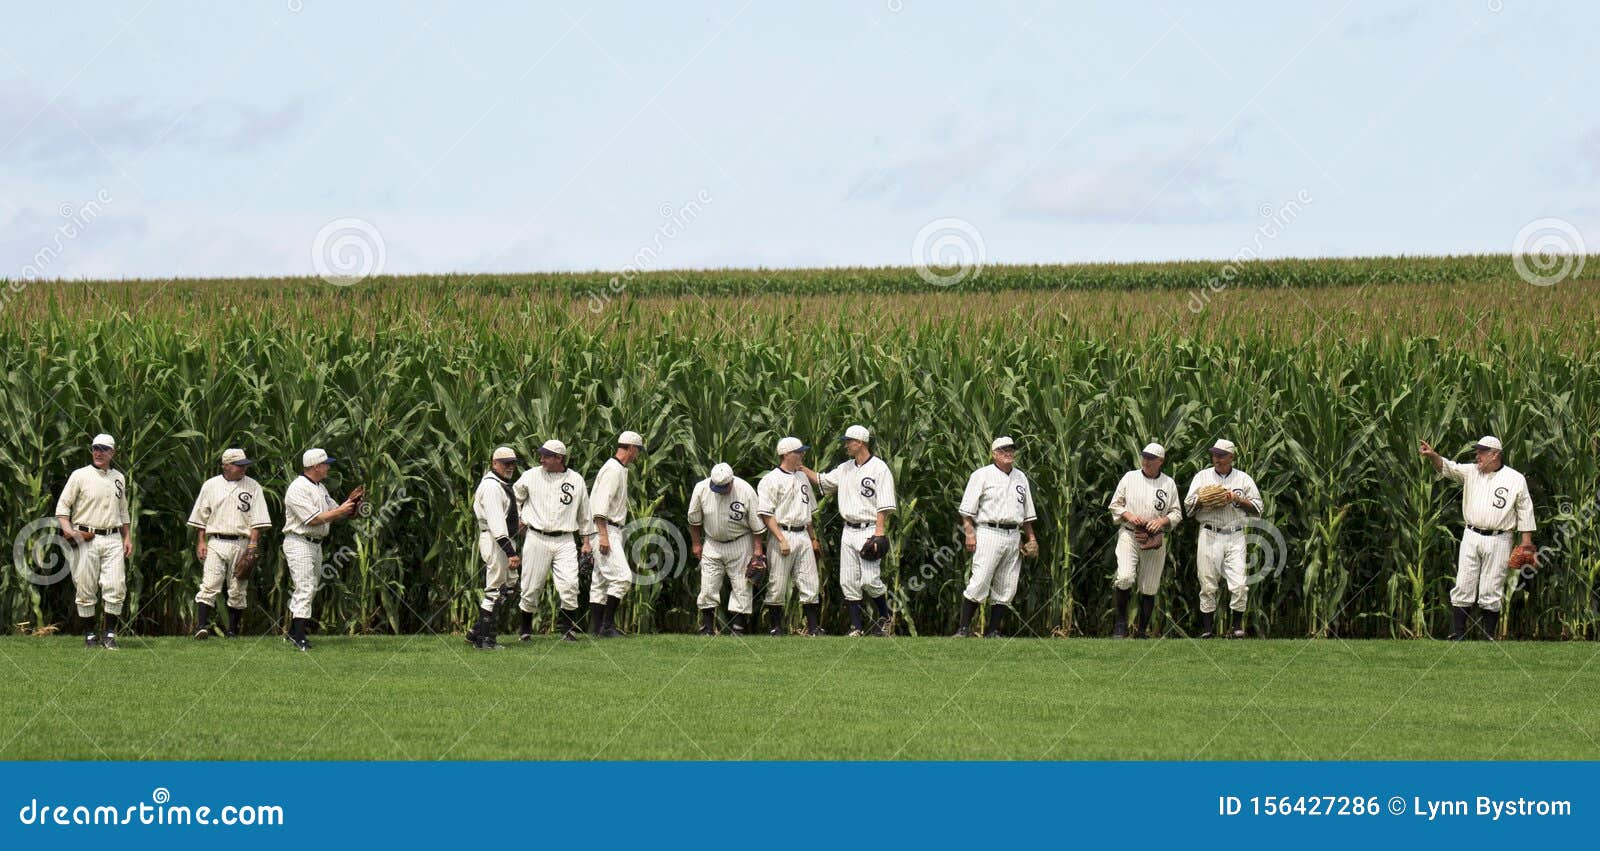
{"points": [[1392, 22], [44, 244], [920, 181], [1177, 188]]}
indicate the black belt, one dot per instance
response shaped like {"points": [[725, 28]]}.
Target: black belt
{"points": [[304, 537], [96, 531], [221, 537], [1220, 530], [1009, 527], [1473, 528], [791, 528], [867, 525], [729, 540], [547, 534]]}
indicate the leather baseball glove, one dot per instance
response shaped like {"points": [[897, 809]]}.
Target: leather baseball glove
{"points": [[245, 564], [1213, 496], [1525, 556], [1149, 540], [1030, 548], [585, 563], [875, 548], [757, 568]]}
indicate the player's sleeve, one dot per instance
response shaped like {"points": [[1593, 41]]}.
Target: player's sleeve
{"points": [[127, 490], [1119, 500], [260, 515], [520, 490], [298, 503], [830, 479], [766, 505], [971, 496], [886, 496], [1253, 494], [1525, 510], [1028, 514], [492, 500], [697, 515], [200, 515], [69, 497], [1175, 514], [1453, 471], [1193, 497], [586, 524], [605, 488], [752, 518]]}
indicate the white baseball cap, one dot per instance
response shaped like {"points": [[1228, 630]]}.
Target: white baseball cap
{"points": [[235, 456], [722, 474], [313, 457], [1222, 446], [554, 447], [630, 438], [857, 432], [1488, 441], [504, 453], [1154, 450], [791, 444], [1002, 443], [103, 440]]}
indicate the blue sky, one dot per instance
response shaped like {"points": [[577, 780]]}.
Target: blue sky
{"points": [[218, 139]]}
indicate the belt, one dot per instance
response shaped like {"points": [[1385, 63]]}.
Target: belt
{"points": [[221, 537], [94, 530], [791, 528], [1472, 528], [1009, 527], [868, 525], [1220, 530], [307, 538], [548, 534], [730, 540]]}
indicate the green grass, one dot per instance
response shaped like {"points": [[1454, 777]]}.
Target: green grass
{"points": [[681, 697]]}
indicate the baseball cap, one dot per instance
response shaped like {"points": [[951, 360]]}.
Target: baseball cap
{"points": [[1002, 443], [630, 438], [721, 478], [1154, 450], [504, 453], [857, 432], [1488, 441], [791, 444], [103, 440], [553, 447], [313, 457], [1224, 446], [235, 456]]}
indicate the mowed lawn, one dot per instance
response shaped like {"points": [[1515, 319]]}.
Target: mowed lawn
{"points": [[683, 697]]}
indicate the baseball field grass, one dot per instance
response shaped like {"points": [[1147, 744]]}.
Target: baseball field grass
{"points": [[426, 697]]}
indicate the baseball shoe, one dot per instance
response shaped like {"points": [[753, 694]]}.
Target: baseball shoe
{"points": [[488, 643], [814, 632], [612, 632], [962, 633], [879, 628], [854, 633], [706, 630], [202, 634], [993, 633], [570, 635], [90, 641], [230, 634], [776, 632], [109, 642], [1239, 633], [1119, 631], [1208, 635], [526, 636]]}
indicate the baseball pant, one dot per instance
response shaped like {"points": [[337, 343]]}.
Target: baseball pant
{"points": [[1221, 556], [305, 567], [798, 567], [542, 555], [1481, 570], [612, 577], [725, 558], [496, 570], [856, 574], [1134, 564], [99, 573], [218, 571], [996, 566]]}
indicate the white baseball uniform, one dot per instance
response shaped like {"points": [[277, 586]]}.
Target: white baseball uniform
{"points": [[864, 490], [788, 499], [1493, 506], [999, 504], [727, 521], [1222, 537], [302, 541], [494, 505], [1147, 498], [97, 499], [554, 507], [226, 512], [612, 576]]}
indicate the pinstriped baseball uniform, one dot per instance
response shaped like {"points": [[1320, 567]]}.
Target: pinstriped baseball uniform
{"points": [[554, 507], [1222, 540], [1497, 503], [494, 505], [302, 541], [863, 491], [728, 521], [609, 499], [97, 499], [998, 503], [788, 499], [230, 509], [1146, 498]]}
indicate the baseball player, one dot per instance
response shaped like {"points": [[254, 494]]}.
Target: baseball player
{"points": [[308, 512], [93, 514], [997, 503], [866, 499], [785, 502], [724, 534], [1144, 507], [554, 506], [494, 504], [228, 517], [1494, 503], [612, 578], [1222, 540]]}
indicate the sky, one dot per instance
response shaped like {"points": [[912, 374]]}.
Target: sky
{"points": [[165, 139]]}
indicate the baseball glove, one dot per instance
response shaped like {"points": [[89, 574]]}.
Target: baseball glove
{"points": [[1149, 540], [1213, 496], [875, 548], [1524, 556], [1030, 548], [585, 563], [756, 570], [245, 564]]}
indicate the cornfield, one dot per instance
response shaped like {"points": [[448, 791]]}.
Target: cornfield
{"points": [[1326, 373]]}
